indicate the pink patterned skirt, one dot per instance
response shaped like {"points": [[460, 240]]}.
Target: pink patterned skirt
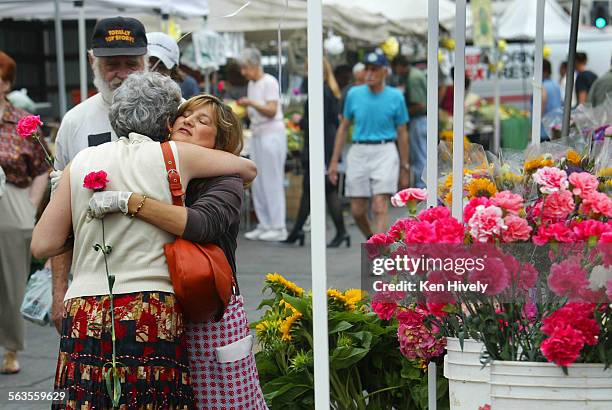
{"points": [[223, 386]]}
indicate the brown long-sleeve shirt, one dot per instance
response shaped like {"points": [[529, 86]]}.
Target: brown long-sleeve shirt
{"points": [[213, 213]]}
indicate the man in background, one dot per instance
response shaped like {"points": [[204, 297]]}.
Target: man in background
{"points": [[551, 94], [113, 59], [164, 56], [373, 165], [584, 79]]}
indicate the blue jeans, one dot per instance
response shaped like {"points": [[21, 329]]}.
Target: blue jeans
{"points": [[418, 148]]}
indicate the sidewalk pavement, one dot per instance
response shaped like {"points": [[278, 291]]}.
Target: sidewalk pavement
{"points": [[254, 260]]}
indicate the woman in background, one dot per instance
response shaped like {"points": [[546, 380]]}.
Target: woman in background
{"points": [[23, 161], [268, 147], [331, 107]]}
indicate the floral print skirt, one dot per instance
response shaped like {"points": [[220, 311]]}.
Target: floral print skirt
{"points": [[150, 349]]}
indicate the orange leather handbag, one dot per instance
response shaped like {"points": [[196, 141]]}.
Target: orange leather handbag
{"points": [[202, 277]]}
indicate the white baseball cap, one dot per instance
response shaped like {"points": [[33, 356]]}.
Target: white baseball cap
{"points": [[164, 47]]}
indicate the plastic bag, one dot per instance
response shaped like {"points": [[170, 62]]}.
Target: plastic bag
{"points": [[36, 306], [477, 173]]}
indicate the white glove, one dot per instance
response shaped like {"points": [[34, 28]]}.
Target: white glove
{"points": [[55, 178], [105, 202]]}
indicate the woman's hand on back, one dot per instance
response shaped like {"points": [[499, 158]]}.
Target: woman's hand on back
{"points": [[199, 162]]}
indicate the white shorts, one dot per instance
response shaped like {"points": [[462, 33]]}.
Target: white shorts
{"points": [[372, 169]]}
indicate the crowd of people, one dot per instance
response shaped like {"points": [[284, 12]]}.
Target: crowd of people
{"points": [[166, 361]]}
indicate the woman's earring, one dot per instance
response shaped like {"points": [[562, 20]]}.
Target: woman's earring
{"points": [[169, 136]]}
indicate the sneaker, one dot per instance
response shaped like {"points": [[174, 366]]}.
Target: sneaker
{"points": [[274, 235], [255, 233]]}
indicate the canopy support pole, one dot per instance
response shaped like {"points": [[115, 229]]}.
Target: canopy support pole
{"points": [[458, 104], [432, 103], [536, 118], [317, 205], [82, 51], [59, 54], [569, 76]]}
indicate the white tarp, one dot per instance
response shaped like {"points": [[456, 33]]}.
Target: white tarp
{"points": [[94, 9], [518, 22], [409, 14], [45, 10], [361, 21]]}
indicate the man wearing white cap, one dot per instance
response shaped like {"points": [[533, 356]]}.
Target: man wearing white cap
{"points": [[164, 58], [164, 54]]}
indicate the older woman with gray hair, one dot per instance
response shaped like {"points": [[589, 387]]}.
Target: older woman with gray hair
{"points": [[149, 327], [268, 148]]}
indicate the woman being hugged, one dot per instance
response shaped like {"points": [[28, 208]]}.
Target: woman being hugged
{"points": [[212, 215], [149, 327]]}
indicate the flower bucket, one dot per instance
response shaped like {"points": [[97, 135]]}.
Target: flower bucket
{"points": [[530, 385], [468, 381]]}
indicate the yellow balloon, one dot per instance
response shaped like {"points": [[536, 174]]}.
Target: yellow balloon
{"points": [[239, 110], [440, 56], [173, 29], [546, 51], [390, 47], [502, 45], [448, 43]]}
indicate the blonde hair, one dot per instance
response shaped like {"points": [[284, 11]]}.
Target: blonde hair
{"points": [[330, 78], [229, 127]]}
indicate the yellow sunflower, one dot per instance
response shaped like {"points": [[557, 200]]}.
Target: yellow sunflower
{"points": [[574, 158], [448, 199], [606, 186], [481, 187], [606, 172], [512, 177], [266, 325], [537, 163], [276, 278], [352, 297], [286, 326], [338, 296], [287, 306], [448, 182]]}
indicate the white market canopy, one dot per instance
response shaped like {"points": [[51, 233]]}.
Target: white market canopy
{"points": [[365, 20], [518, 22], [94, 9], [410, 14]]}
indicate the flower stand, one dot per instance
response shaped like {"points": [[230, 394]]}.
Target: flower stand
{"points": [[468, 381], [530, 385]]}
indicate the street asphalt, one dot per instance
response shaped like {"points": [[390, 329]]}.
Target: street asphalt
{"points": [[254, 260]]}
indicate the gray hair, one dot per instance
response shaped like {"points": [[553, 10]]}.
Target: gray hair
{"points": [[250, 57], [145, 103]]}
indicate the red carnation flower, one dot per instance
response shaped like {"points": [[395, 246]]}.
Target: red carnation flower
{"points": [[28, 125], [96, 181], [563, 347]]}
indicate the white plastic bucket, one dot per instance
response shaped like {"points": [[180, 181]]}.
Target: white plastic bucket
{"points": [[468, 381], [530, 385]]}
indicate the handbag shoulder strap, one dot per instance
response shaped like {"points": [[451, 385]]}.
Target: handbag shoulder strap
{"points": [[174, 178]]}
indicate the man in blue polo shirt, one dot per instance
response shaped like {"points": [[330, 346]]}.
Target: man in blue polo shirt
{"points": [[373, 164]]}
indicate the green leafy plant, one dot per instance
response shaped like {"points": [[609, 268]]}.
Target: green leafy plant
{"points": [[367, 370]]}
